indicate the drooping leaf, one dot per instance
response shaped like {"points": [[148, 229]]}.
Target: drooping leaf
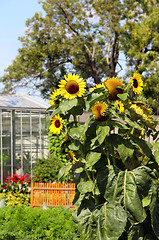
{"points": [[101, 133], [124, 151], [92, 158], [146, 181], [64, 170], [145, 146], [132, 123], [106, 180], [64, 106], [120, 186], [111, 220], [85, 187], [75, 145], [107, 221], [154, 210], [123, 96], [126, 193], [77, 132]]}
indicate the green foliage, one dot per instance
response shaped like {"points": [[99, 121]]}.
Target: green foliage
{"points": [[46, 170], [34, 223], [117, 189], [88, 37], [55, 144], [16, 199]]}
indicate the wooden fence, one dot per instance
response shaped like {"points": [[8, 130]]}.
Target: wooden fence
{"points": [[52, 194]]}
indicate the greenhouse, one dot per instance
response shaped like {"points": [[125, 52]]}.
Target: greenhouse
{"points": [[23, 134]]}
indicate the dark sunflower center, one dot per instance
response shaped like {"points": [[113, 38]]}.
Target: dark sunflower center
{"points": [[99, 109], [57, 123], [72, 87], [135, 83]]}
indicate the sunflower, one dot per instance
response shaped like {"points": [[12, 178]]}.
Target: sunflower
{"points": [[120, 106], [72, 157], [112, 84], [98, 110], [54, 94], [56, 124], [96, 86], [136, 83], [72, 86]]}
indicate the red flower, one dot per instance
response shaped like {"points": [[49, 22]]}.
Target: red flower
{"points": [[5, 186]]}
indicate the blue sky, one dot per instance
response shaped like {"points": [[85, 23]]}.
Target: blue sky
{"points": [[13, 15]]}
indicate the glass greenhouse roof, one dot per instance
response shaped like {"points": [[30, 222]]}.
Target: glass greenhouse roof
{"points": [[21, 101]]}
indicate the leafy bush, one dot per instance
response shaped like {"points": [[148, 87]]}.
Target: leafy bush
{"points": [[46, 170], [16, 183], [34, 223]]}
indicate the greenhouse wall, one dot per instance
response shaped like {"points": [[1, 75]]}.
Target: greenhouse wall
{"points": [[23, 139]]}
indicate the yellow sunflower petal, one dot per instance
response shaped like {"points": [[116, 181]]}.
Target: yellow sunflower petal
{"points": [[136, 83], [96, 86], [72, 157], [112, 84], [120, 106], [73, 86], [98, 110], [56, 124]]}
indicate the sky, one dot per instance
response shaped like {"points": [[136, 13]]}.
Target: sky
{"points": [[13, 15]]}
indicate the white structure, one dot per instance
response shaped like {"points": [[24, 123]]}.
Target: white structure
{"points": [[23, 134]]}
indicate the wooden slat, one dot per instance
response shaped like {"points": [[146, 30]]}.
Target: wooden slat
{"points": [[53, 194]]}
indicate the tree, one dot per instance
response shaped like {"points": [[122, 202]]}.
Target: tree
{"points": [[140, 43], [83, 36]]}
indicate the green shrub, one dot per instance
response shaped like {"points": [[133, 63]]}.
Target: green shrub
{"points": [[47, 169], [16, 198], [35, 223]]}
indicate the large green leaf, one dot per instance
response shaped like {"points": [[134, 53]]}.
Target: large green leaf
{"points": [[154, 210], [65, 105], [64, 170], [126, 193], [125, 151], [111, 221], [117, 124], [106, 222], [132, 123], [124, 146], [121, 186], [92, 158], [77, 132], [145, 146], [106, 180], [75, 145], [84, 187], [101, 133], [123, 96], [146, 181]]}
